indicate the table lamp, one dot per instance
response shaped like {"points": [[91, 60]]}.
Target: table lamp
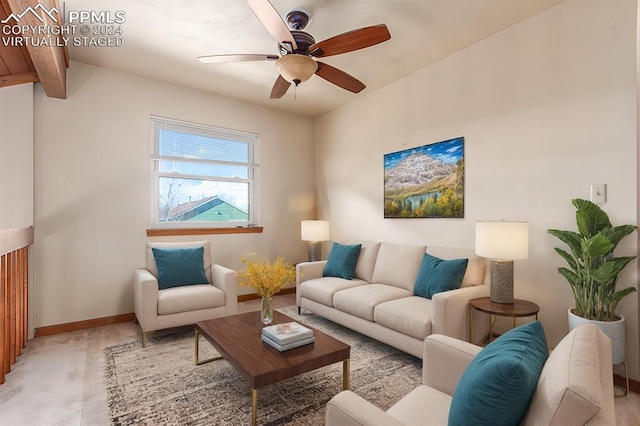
{"points": [[502, 242], [314, 231]]}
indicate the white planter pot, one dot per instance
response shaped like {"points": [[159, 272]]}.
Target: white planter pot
{"points": [[615, 331]]}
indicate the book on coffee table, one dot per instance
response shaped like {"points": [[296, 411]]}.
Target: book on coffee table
{"points": [[287, 346], [289, 332]]}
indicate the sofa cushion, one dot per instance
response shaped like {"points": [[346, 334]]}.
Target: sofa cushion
{"points": [[409, 315], [437, 275], [422, 406], [568, 391], [497, 386], [321, 290], [191, 298], [179, 266], [360, 301], [342, 261], [367, 260], [476, 268], [398, 265]]}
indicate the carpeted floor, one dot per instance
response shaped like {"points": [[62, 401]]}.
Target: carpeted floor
{"points": [[160, 384]]}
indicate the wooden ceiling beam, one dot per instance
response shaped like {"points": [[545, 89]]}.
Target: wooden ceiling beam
{"points": [[14, 79], [49, 61]]}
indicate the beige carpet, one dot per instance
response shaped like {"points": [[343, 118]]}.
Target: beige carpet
{"points": [[160, 385]]}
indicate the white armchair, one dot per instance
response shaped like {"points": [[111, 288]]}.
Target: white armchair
{"points": [[575, 386], [158, 309]]}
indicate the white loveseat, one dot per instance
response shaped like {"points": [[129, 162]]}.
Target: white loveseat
{"points": [[379, 300], [575, 386]]}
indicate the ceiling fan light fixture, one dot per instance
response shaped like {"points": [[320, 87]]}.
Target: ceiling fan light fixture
{"points": [[296, 68]]}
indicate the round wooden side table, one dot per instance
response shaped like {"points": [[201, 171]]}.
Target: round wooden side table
{"points": [[519, 308]]}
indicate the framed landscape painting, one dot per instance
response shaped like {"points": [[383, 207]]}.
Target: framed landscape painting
{"points": [[425, 182]]}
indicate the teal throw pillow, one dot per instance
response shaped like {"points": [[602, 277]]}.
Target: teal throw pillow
{"points": [[437, 275], [342, 261], [497, 386], [179, 266]]}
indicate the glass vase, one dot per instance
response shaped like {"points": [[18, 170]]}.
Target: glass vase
{"points": [[266, 311]]}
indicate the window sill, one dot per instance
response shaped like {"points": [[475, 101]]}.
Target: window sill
{"points": [[202, 231]]}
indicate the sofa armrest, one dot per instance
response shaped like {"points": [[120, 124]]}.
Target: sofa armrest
{"points": [[444, 361], [145, 298], [347, 408], [226, 280], [307, 271], [450, 311]]}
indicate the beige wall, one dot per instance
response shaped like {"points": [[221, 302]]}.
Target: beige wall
{"points": [[546, 107], [92, 187], [16, 156]]}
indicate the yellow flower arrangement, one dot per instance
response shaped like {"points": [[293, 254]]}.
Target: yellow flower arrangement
{"points": [[266, 278]]}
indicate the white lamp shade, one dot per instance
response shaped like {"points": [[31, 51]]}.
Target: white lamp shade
{"points": [[314, 230], [502, 240]]}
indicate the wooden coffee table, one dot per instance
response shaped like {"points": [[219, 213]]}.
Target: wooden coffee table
{"points": [[238, 340]]}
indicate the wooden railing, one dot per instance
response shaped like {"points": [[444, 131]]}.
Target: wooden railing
{"points": [[14, 294]]}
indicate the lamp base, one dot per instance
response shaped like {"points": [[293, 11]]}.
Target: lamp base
{"points": [[502, 281], [315, 251]]}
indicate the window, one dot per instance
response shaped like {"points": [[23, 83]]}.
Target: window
{"points": [[203, 176]]}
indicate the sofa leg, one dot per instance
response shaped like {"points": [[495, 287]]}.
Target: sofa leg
{"points": [[144, 339], [299, 310]]}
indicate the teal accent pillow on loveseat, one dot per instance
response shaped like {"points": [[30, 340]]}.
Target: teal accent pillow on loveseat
{"points": [[342, 261], [497, 386], [179, 266]]}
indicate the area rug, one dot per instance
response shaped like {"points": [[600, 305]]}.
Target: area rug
{"points": [[160, 385]]}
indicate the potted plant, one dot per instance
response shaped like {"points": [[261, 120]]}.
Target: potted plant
{"points": [[266, 279], [593, 271]]}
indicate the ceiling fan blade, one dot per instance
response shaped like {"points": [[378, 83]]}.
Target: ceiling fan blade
{"points": [[279, 88], [339, 78], [218, 59], [350, 41], [272, 21]]}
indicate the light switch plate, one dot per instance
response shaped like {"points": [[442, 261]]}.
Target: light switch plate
{"points": [[599, 192]]}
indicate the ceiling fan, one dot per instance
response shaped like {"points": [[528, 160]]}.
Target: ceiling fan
{"points": [[296, 61]]}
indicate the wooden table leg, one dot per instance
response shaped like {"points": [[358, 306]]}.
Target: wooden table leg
{"points": [[345, 374], [254, 405], [470, 324]]}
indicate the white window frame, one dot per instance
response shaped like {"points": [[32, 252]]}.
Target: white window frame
{"points": [[252, 140]]}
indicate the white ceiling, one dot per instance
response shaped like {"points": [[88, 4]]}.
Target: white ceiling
{"points": [[163, 39]]}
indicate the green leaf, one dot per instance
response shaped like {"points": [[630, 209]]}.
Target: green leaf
{"points": [[590, 218], [570, 276], [570, 259], [619, 295], [570, 238], [596, 246], [617, 233], [610, 269]]}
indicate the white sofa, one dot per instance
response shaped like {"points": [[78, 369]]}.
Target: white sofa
{"points": [[174, 307], [379, 300], [575, 386]]}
